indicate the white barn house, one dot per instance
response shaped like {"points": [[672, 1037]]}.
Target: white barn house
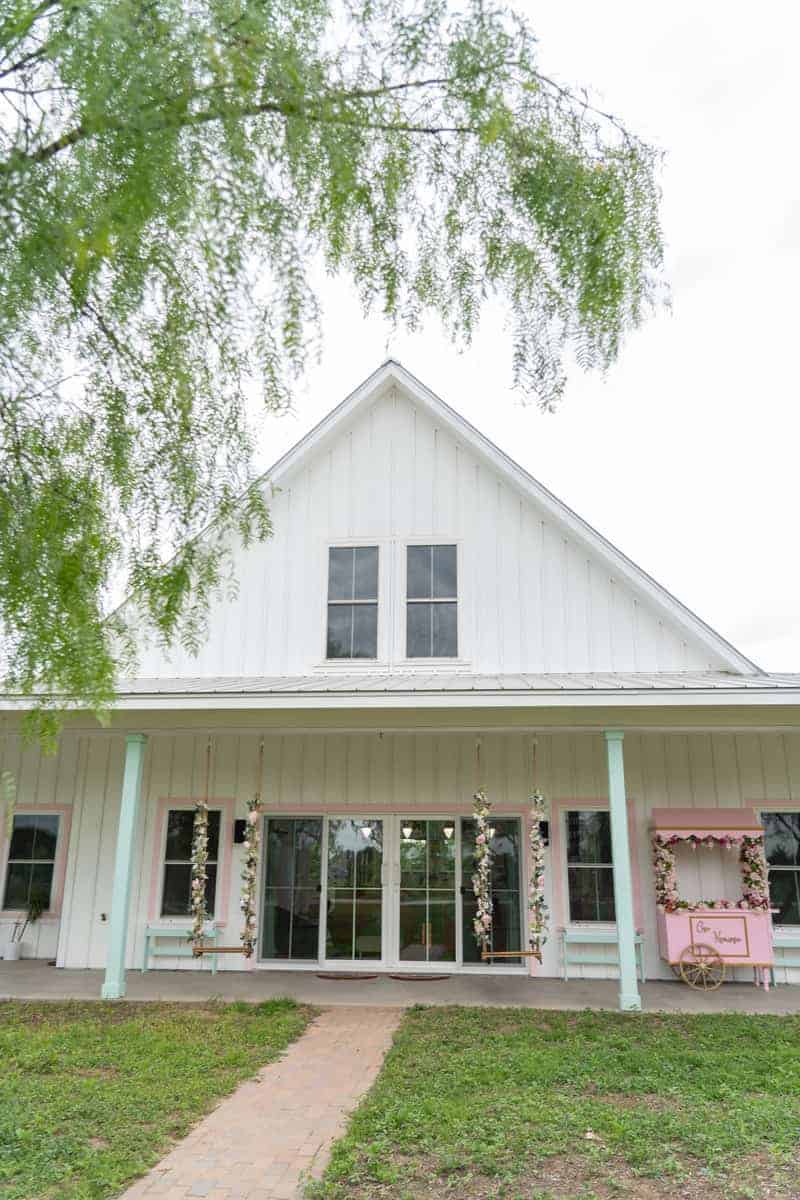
{"points": [[426, 619]]}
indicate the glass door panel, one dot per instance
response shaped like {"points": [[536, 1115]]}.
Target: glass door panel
{"points": [[355, 889], [427, 916], [292, 884], [506, 899]]}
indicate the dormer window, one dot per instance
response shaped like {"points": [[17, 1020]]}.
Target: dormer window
{"points": [[352, 602], [432, 602]]}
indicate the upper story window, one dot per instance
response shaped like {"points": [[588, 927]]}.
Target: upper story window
{"points": [[782, 848], [31, 860], [590, 873], [176, 893], [352, 602], [432, 602]]}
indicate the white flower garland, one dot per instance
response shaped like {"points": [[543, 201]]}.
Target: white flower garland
{"points": [[199, 872], [482, 878], [250, 879], [537, 908]]}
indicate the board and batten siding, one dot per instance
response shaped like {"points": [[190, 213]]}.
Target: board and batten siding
{"points": [[531, 598], [396, 772]]}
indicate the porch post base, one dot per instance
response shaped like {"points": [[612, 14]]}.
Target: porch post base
{"points": [[113, 991], [630, 1002]]}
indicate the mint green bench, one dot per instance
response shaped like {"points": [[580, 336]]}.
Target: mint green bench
{"points": [[581, 935], [154, 933], [781, 943]]}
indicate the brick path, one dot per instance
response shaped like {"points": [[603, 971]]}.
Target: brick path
{"points": [[277, 1129]]}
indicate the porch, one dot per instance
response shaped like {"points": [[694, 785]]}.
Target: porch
{"points": [[33, 979]]}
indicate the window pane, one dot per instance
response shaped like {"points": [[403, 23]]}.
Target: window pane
{"points": [[340, 573], [784, 893], [211, 888], [782, 838], [445, 580], [368, 923], [305, 923], [418, 582], [418, 630], [365, 631], [180, 827], [277, 923], [180, 834], [444, 622], [46, 838], [591, 893], [18, 882], [213, 833], [588, 837], [366, 573], [42, 882], [22, 837], [340, 630], [176, 900], [339, 924]]}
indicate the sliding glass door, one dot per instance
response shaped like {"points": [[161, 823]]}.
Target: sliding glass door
{"points": [[427, 900], [292, 887], [397, 891], [354, 917], [507, 932]]}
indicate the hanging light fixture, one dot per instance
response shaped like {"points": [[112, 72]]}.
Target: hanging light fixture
{"points": [[407, 832], [366, 832], [448, 831], [491, 831]]}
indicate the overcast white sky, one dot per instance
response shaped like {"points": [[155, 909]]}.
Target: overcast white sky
{"points": [[687, 456]]}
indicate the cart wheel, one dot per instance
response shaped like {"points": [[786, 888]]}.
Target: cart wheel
{"points": [[702, 967]]}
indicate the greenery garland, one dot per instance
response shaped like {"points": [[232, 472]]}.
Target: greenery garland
{"points": [[482, 877], [537, 908], [250, 878], [199, 871]]}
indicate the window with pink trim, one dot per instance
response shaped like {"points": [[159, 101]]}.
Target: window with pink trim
{"points": [[176, 889], [31, 861]]}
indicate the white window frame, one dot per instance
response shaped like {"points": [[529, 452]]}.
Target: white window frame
{"points": [[179, 862], [349, 664], [457, 659], [580, 806]]}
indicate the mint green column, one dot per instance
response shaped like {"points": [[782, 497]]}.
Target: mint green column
{"points": [[114, 984], [629, 1000]]}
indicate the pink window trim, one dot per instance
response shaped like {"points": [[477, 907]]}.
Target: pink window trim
{"points": [[558, 853], [227, 807], [64, 813]]}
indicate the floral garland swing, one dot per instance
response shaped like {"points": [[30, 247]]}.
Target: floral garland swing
{"points": [[247, 902], [482, 877]]}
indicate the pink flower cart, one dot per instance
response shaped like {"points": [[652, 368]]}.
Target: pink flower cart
{"points": [[700, 938]]}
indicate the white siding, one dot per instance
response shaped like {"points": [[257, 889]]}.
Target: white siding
{"points": [[394, 772], [532, 598]]}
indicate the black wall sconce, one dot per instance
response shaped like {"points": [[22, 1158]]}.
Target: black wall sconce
{"points": [[544, 832], [239, 827]]}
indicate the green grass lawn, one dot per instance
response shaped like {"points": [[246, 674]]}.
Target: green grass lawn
{"points": [[91, 1095], [519, 1103]]}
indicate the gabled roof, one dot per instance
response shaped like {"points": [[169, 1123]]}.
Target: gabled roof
{"points": [[393, 374]]}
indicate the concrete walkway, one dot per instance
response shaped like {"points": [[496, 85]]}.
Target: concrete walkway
{"points": [[276, 1131], [35, 980]]}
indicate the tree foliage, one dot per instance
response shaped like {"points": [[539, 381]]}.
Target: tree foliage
{"points": [[170, 173]]}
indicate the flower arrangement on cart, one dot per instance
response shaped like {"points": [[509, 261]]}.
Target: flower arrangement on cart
{"points": [[700, 939]]}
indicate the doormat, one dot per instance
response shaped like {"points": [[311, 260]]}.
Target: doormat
{"points": [[343, 975], [419, 978]]}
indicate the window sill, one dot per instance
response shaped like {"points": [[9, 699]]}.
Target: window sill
{"points": [[12, 914], [351, 664]]}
